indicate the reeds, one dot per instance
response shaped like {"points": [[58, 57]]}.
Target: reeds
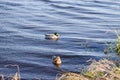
{"points": [[111, 48], [16, 75], [118, 43]]}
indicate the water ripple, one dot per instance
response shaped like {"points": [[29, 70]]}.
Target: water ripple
{"points": [[83, 26]]}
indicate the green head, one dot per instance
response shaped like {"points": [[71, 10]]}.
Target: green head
{"points": [[56, 34]]}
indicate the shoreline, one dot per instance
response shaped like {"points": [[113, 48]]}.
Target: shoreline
{"points": [[103, 69]]}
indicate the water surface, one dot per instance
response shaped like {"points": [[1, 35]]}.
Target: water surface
{"points": [[80, 23]]}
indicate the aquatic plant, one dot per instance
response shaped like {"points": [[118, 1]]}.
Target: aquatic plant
{"points": [[113, 47], [118, 44], [110, 49]]}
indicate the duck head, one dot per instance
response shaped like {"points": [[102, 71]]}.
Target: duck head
{"points": [[56, 34], [56, 61]]}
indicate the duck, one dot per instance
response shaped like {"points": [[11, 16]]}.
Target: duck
{"points": [[52, 36], [56, 60]]}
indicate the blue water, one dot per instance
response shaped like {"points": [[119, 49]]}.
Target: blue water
{"points": [[80, 23]]}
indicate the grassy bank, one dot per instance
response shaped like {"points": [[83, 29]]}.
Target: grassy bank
{"points": [[98, 70]]}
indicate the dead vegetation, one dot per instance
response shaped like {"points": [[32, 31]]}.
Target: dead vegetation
{"points": [[98, 70], [16, 76], [71, 76]]}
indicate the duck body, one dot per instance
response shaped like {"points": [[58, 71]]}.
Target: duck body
{"points": [[56, 60], [52, 36]]}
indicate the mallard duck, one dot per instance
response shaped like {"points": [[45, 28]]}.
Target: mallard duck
{"points": [[56, 60], [52, 36]]}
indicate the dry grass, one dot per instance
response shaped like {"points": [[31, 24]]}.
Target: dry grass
{"points": [[104, 69], [16, 75], [71, 76], [98, 70]]}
